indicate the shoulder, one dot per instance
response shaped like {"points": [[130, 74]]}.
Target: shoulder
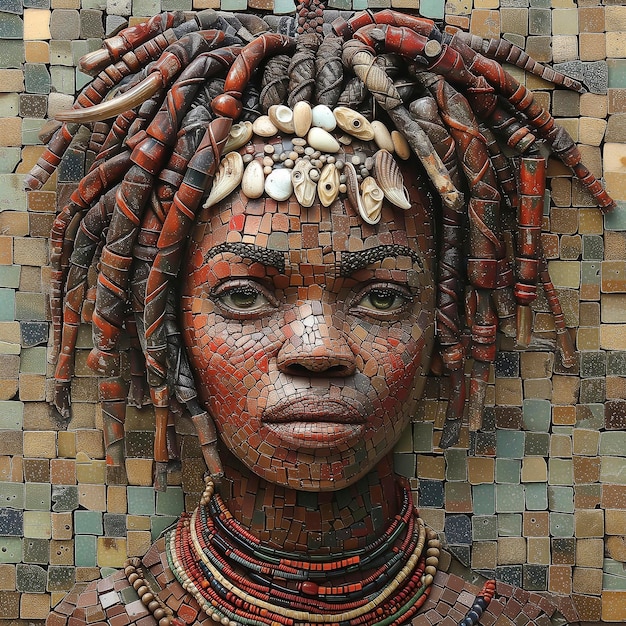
{"points": [[114, 600], [452, 599]]}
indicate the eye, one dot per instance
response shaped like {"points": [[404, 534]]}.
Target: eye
{"points": [[382, 300], [241, 299]]}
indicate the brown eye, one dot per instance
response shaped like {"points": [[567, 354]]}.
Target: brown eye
{"points": [[383, 300], [243, 299]]}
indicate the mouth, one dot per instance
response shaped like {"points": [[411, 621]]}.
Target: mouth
{"points": [[315, 422]]}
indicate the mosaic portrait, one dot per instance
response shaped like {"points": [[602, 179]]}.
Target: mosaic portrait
{"points": [[335, 335]]}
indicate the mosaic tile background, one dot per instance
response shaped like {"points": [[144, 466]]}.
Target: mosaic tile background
{"points": [[538, 497]]}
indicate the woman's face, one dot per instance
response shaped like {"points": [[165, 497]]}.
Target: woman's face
{"points": [[309, 332]]}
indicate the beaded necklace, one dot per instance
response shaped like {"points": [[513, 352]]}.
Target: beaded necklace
{"points": [[237, 580]]}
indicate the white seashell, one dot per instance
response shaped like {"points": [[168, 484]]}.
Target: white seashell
{"points": [[263, 127], [240, 134], [321, 140], [282, 117], [367, 212], [253, 181], [403, 150], [302, 117], [227, 179], [353, 123], [323, 117], [389, 178], [328, 185], [382, 136], [371, 204], [278, 184], [303, 185]]}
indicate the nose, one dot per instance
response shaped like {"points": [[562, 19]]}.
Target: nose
{"points": [[314, 346]]}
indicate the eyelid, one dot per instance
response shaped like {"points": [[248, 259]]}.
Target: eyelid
{"points": [[232, 284], [402, 290]]}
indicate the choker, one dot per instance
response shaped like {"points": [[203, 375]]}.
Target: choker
{"points": [[238, 581]]}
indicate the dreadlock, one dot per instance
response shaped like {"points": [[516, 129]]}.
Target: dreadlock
{"points": [[178, 88]]}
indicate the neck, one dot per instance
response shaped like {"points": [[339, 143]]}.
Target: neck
{"points": [[313, 522]]}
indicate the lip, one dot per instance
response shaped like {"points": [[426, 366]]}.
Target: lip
{"points": [[314, 409], [315, 421], [316, 435]]}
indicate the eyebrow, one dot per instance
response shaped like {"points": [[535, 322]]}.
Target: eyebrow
{"points": [[353, 261], [271, 258]]}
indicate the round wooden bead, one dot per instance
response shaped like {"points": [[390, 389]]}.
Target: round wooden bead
{"points": [[227, 106]]}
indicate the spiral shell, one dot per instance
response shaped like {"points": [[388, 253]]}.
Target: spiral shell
{"points": [[227, 179], [303, 185], [371, 204], [239, 136], [389, 178], [328, 185], [353, 123]]}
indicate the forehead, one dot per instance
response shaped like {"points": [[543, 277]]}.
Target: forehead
{"points": [[316, 235]]}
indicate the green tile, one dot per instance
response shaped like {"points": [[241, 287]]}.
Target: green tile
{"points": [[11, 53], [561, 525], [403, 464], [560, 472], [423, 437], [593, 248], [60, 578], [484, 527], [36, 78], [12, 495], [140, 500], [85, 551], [613, 470], [159, 524], [10, 276], [37, 496], [33, 360], [613, 443], [508, 471], [616, 219], [7, 304], [561, 499], [510, 525], [536, 496], [536, 415], [433, 9], [11, 416], [12, 195], [88, 523], [484, 499], [31, 127], [30, 578], [509, 498], [11, 26], [10, 550], [9, 157], [617, 73], [537, 444], [456, 464], [36, 551], [170, 502], [510, 444]]}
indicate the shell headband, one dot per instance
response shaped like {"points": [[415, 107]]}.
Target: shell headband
{"points": [[313, 167]]}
